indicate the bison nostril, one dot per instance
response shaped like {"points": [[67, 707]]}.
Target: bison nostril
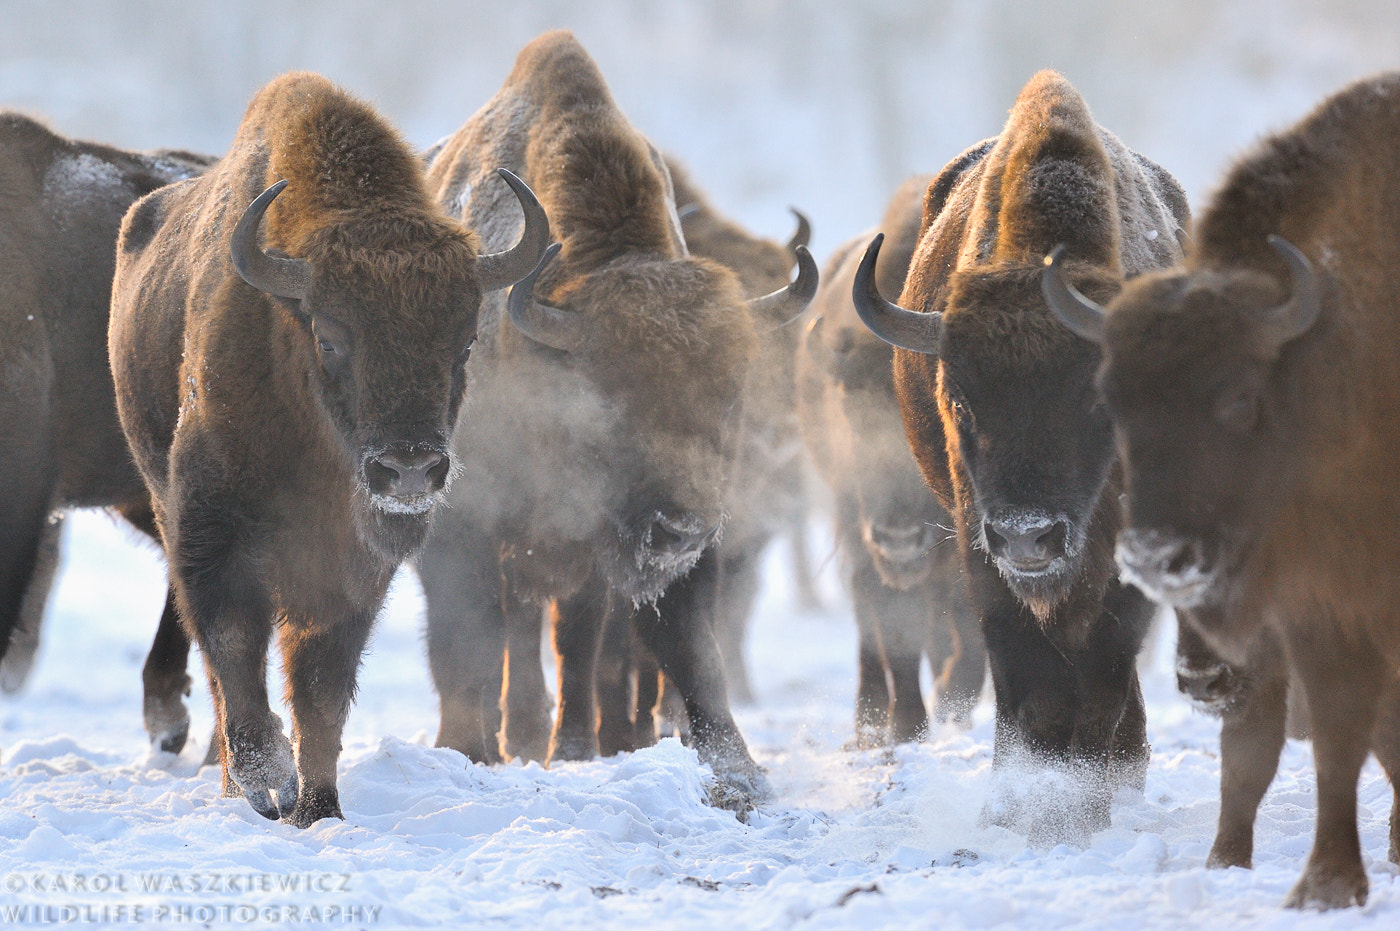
{"points": [[1181, 560], [674, 536], [1027, 545], [405, 473]]}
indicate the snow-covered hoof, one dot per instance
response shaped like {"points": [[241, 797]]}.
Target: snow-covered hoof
{"points": [[314, 805], [573, 747], [739, 790], [1326, 888], [262, 766], [167, 720]]}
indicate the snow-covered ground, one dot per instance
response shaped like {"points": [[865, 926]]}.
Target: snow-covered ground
{"points": [[94, 829]]}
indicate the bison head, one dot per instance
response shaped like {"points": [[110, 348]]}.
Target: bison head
{"points": [[899, 520], [1192, 377], [636, 370], [386, 308], [1016, 395]]}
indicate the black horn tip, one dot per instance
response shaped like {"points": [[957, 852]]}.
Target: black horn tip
{"points": [[804, 288], [802, 236]]}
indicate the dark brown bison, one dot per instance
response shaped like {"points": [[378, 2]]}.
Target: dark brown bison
{"points": [[593, 453], [289, 404], [905, 573], [1254, 397], [1000, 409], [765, 482], [62, 444]]}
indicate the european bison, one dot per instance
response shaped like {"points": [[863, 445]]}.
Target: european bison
{"points": [[905, 573], [765, 481], [289, 406], [1001, 412], [62, 444], [1254, 397], [593, 452]]}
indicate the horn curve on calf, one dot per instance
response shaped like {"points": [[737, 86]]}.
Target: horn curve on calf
{"points": [[1084, 318], [1294, 317], [549, 326], [802, 236], [281, 277], [904, 329], [503, 269], [786, 304]]}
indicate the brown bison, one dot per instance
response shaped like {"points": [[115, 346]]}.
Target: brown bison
{"points": [[593, 453], [1000, 408], [289, 404], [62, 443], [905, 572], [765, 482], [1254, 396]]}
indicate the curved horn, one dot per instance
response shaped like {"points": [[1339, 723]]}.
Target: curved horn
{"points": [[899, 327], [1083, 317], [502, 269], [550, 326], [834, 362], [1293, 318], [686, 212], [283, 277], [785, 304], [803, 234]]}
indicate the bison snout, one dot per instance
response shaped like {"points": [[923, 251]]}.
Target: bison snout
{"points": [[677, 537], [902, 544], [1169, 567], [407, 473], [1209, 685], [1028, 546]]}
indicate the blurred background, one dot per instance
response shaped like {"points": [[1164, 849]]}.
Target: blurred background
{"points": [[822, 105]]}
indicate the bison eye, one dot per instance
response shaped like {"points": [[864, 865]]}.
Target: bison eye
{"points": [[466, 352], [326, 346]]}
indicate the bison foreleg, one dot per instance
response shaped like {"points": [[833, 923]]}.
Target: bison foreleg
{"points": [[525, 727], [321, 662], [166, 681], [578, 628], [1343, 691], [466, 639], [685, 648], [616, 685], [1251, 739]]}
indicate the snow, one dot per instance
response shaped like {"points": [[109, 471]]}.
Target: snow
{"points": [[97, 829]]}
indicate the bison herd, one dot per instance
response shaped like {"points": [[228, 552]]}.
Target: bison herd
{"points": [[536, 364]]}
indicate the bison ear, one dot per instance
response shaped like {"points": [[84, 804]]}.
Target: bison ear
{"points": [[503, 269], [1083, 317], [904, 329]]}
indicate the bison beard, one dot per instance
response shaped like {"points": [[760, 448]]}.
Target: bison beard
{"points": [[999, 406], [270, 394], [1253, 394]]}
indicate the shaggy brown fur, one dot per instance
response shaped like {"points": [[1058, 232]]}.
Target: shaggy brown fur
{"points": [[62, 445], [904, 569], [1003, 423], [592, 478], [257, 421], [1289, 446]]}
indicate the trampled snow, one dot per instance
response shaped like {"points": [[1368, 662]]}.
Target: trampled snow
{"points": [[97, 830]]}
